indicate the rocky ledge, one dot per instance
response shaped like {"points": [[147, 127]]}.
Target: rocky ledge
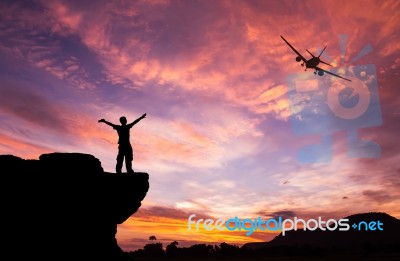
{"points": [[64, 205]]}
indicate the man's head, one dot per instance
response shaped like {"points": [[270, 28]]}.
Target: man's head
{"points": [[122, 120]]}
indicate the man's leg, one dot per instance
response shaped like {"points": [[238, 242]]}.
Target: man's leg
{"points": [[129, 166], [120, 160], [128, 159]]}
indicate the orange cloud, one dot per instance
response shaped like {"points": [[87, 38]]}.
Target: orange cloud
{"points": [[170, 228], [214, 77], [21, 148], [236, 57]]}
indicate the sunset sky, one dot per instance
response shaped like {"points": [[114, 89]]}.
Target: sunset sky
{"points": [[218, 139]]}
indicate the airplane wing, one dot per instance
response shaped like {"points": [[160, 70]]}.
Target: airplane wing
{"points": [[294, 50], [328, 72]]}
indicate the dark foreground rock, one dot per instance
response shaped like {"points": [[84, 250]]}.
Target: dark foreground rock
{"points": [[65, 206]]}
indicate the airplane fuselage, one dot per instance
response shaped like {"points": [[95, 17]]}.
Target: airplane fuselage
{"points": [[312, 63]]}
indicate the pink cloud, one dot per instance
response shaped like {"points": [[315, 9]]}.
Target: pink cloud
{"points": [[237, 55], [213, 74]]}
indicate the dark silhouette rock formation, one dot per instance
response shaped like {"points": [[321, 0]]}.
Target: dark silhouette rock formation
{"points": [[65, 206]]}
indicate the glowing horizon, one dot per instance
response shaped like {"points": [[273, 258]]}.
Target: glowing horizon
{"points": [[210, 75]]}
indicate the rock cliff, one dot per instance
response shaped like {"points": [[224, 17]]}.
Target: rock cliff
{"points": [[65, 206]]}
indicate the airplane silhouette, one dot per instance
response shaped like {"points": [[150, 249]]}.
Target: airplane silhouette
{"points": [[313, 62]]}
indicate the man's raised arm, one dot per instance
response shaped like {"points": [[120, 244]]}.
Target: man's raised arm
{"points": [[107, 122], [137, 120]]}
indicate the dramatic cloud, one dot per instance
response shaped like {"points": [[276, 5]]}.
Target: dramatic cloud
{"points": [[213, 77]]}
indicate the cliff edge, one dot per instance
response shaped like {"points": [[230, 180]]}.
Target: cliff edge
{"points": [[65, 205]]}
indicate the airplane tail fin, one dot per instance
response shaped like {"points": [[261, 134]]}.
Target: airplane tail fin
{"points": [[322, 51]]}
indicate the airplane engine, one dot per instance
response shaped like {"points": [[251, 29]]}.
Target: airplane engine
{"points": [[298, 59], [320, 73]]}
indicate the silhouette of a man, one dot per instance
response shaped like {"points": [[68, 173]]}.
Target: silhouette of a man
{"points": [[124, 147]]}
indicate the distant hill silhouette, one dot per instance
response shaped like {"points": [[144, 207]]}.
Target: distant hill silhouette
{"points": [[65, 206], [345, 241], [295, 245]]}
